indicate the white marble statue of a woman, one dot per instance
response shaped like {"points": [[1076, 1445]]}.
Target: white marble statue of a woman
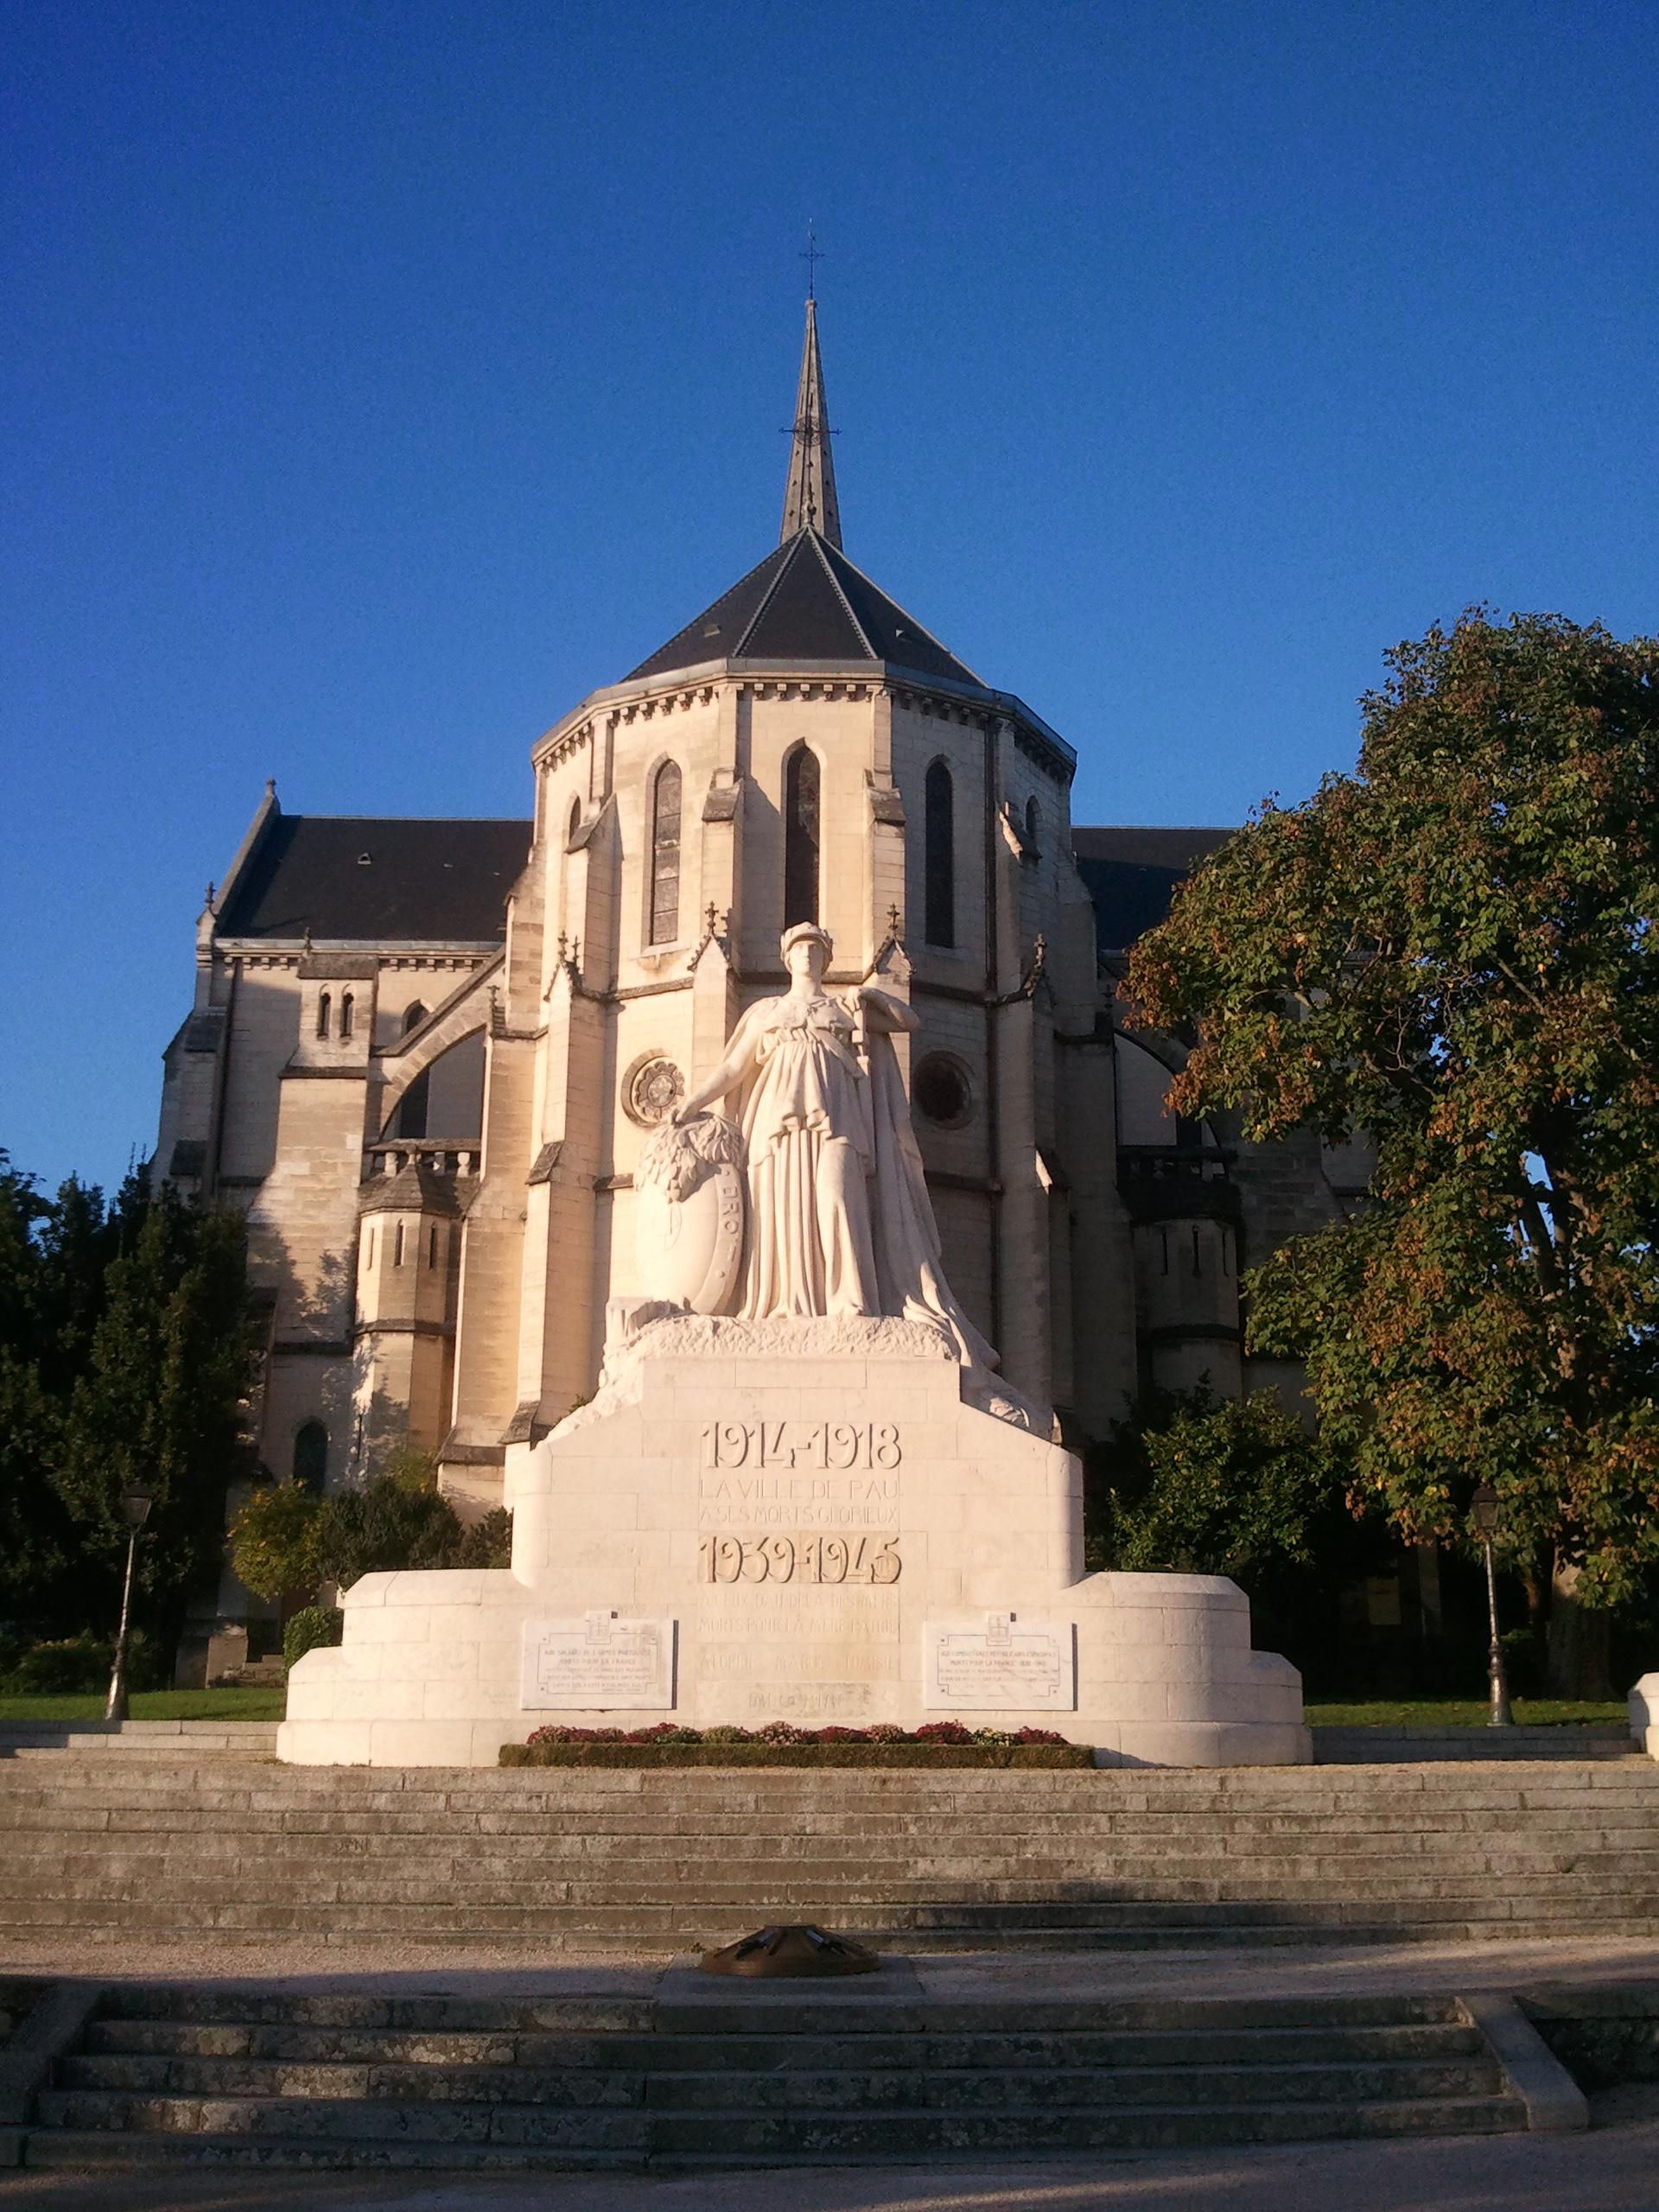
{"points": [[839, 1218]]}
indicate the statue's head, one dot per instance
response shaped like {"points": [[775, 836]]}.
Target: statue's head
{"points": [[807, 950]]}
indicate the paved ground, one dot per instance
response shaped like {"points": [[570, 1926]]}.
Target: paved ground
{"points": [[1615, 2168], [1319, 1969]]}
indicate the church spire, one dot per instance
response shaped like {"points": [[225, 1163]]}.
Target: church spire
{"points": [[809, 495]]}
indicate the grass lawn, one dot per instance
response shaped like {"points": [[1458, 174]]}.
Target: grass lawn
{"points": [[1461, 1713], [153, 1705]]}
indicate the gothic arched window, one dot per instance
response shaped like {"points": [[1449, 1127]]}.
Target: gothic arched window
{"points": [[414, 1015], [324, 1003], [665, 855], [939, 857], [801, 837], [345, 1015], [311, 1457]]}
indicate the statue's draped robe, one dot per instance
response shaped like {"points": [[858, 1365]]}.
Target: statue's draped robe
{"points": [[839, 1218], [806, 1125]]}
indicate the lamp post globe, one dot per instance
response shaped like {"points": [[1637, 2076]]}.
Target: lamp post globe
{"points": [[135, 1511]]}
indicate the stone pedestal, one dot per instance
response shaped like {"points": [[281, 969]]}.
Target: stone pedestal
{"points": [[1644, 1715], [801, 1521]]}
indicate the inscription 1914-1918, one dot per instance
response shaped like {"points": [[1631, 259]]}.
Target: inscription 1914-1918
{"points": [[838, 1444]]}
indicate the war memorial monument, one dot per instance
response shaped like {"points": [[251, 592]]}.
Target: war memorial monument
{"points": [[801, 1491]]}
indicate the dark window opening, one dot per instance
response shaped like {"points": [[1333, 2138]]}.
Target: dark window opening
{"points": [[311, 1457], [1033, 826], [410, 1121], [324, 1006], [432, 1247], [346, 1011], [665, 855], [414, 1015], [398, 1248], [939, 858], [801, 837]]}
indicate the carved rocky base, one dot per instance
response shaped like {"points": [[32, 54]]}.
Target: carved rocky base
{"points": [[820, 1530]]}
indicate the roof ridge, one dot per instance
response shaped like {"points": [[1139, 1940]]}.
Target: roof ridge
{"points": [[937, 643], [820, 547], [518, 821], [789, 547]]}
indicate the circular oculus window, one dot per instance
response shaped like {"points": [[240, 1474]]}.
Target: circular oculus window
{"points": [[651, 1088], [939, 1085]]}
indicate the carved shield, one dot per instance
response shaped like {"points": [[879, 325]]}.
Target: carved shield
{"points": [[688, 1215]]}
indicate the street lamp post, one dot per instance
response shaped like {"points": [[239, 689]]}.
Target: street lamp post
{"points": [[1485, 1505], [135, 1511]]}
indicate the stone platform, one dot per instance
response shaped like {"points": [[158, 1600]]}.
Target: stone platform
{"points": [[539, 1863], [794, 1521]]}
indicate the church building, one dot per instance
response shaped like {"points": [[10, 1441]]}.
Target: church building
{"points": [[424, 1056]]}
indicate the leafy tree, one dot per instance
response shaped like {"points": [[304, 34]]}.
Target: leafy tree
{"points": [[157, 1404], [124, 1352], [1454, 951], [1203, 1486]]}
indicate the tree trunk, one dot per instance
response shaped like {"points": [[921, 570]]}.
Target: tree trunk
{"points": [[1578, 1661]]}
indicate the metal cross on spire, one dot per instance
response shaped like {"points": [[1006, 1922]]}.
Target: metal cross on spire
{"points": [[809, 492], [811, 255]]}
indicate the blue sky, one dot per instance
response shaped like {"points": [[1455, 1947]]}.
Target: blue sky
{"points": [[383, 377]]}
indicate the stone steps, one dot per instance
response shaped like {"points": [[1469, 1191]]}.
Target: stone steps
{"points": [[141, 1739], [139, 2041], [612, 1858], [743, 2076]]}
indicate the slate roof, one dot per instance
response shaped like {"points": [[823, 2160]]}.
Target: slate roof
{"points": [[806, 601], [421, 881], [1131, 874]]}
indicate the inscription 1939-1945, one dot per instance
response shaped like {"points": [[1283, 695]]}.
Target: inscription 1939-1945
{"points": [[838, 1444], [799, 1559]]}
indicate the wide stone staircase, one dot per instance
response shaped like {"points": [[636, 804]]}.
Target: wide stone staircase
{"points": [[540, 1861], [750, 2078]]}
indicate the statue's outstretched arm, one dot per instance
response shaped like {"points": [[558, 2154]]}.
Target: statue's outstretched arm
{"points": [[881, 1011]]}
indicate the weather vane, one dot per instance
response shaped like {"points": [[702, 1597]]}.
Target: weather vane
{"points": [[812, 254]]}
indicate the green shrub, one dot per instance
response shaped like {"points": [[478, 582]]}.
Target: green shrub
{"points": [[285, 1539], [80, 1666], [312, 1629], [487, 1543]]}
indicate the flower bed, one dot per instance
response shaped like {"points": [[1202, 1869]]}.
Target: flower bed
{"points": [[940, 1743]]}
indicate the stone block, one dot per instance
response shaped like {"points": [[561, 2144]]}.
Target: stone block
{"points": [[1644, 1715], [800, 1522]]}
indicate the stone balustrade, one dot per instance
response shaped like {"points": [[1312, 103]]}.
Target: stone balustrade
{"points": [[439, 1156]]}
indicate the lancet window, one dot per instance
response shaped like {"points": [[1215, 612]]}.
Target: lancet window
{"points": [[325, 1009], [666, 854], [939, 857], [801, 836]]}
